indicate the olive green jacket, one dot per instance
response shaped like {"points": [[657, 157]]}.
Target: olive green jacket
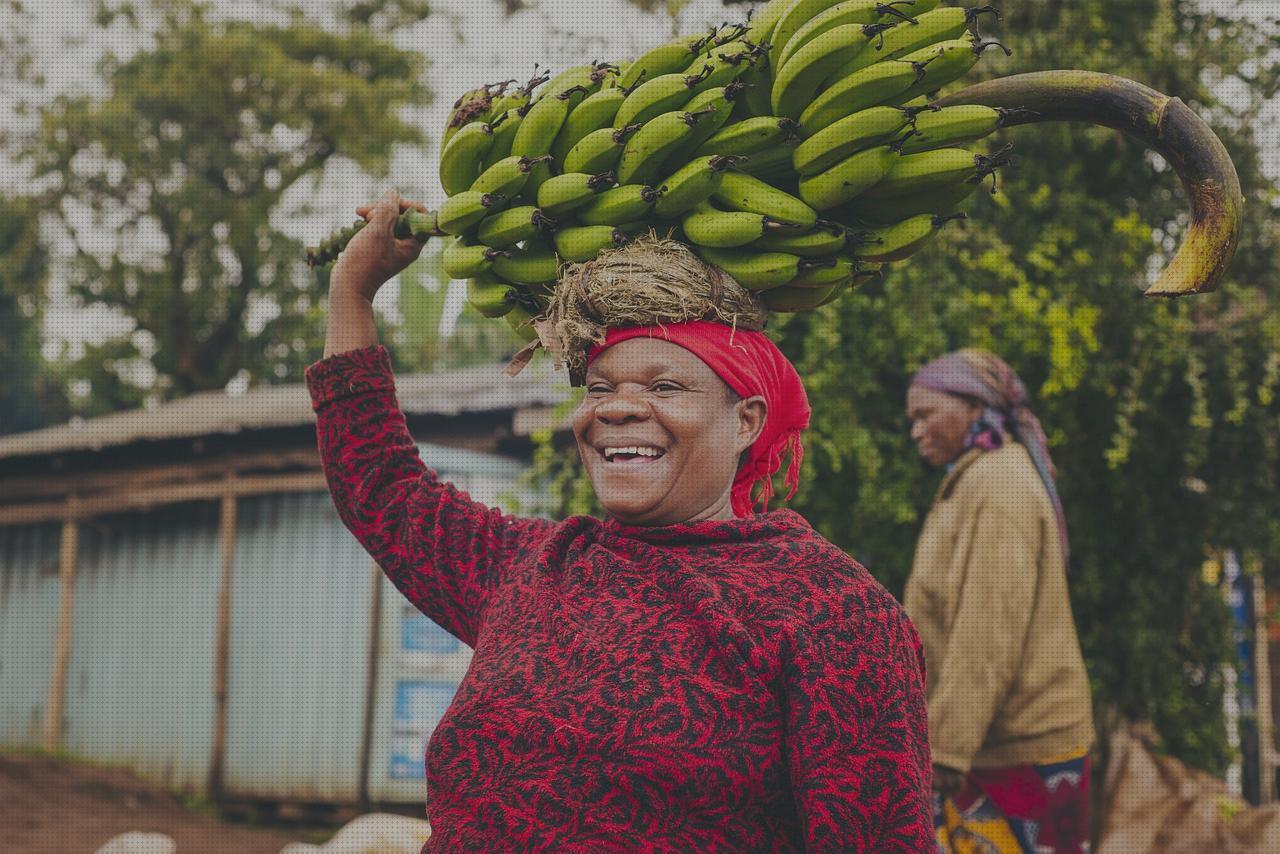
{"points": [[988, 594]]}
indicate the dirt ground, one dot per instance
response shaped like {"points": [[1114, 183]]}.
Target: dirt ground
{"points": [[48, 806]]}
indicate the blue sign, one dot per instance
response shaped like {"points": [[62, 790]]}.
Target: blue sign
{"points": [[419, 634]]}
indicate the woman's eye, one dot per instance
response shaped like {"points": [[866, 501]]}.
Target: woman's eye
{"points": [[665, 387], [597, 388]]}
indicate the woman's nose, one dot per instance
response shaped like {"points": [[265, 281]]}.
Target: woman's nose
{"points": [[622, 406], [917, 431]]}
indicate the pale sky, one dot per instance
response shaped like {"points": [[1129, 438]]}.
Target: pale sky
{"points": [[468, 42]]}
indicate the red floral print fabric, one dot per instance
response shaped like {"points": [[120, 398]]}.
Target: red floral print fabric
{"points": [[714, 686]]}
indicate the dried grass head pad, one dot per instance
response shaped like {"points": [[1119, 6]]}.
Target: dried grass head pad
{"points": [[649, 281]]}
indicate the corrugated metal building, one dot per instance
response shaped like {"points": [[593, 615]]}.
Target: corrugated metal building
{"points": [[178, 595]]}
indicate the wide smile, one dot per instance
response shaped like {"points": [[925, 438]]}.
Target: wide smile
{"points": [[630, 455]]}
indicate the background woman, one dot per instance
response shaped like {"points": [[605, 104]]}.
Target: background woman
{"points": [[1010, 718], [686, 674]]}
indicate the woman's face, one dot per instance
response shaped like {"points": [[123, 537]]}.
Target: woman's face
{"points": [[939, 423], [660, 433]]}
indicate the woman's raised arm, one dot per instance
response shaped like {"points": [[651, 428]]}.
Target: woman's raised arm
{"points": [[442, 550]]}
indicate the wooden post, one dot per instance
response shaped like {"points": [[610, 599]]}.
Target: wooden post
{"points": [[371, 688], [67, 551], [222, 637]]}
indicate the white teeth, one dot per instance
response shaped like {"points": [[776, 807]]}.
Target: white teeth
{"points": [[633, 450]]}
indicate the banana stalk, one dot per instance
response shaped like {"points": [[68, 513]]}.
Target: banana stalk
{"points": [[1164, 124]]}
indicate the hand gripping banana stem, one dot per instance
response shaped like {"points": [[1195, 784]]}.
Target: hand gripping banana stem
{"points": [[417, 224], [1164, 124]]}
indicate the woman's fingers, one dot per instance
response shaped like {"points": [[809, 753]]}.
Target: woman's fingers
{"points": [[391, 197]]}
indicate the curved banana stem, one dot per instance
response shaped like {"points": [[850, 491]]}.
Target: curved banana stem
{"points": [[409, 224], [1164, 124]]}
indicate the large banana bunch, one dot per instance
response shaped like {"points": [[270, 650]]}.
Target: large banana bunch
{"points": [[799, 152]]}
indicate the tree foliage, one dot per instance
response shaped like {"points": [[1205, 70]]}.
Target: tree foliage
{"points": [[30, 395], [1163, 417], [168, 184]]}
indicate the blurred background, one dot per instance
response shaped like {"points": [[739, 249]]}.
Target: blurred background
{"points": [[178, 599]]}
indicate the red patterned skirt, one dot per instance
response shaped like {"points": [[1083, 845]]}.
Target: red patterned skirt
{"points": [[1024, 809]]}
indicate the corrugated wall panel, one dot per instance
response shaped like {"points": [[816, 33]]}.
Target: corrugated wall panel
{"points": [[299, 652], [28, 623], [139, 685]]}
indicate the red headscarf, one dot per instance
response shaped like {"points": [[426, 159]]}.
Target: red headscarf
{"points": [[751, 365]]}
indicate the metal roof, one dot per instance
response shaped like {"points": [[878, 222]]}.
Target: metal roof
{"points": [[485, 388]]}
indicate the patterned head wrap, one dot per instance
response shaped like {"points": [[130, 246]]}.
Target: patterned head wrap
{"points": [[751, 365], [987, 378]]}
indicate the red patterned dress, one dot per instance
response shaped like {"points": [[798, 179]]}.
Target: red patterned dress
{"points": [[714, 686]]}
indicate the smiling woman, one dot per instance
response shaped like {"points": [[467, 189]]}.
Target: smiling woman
{"points": [[693, 672]]}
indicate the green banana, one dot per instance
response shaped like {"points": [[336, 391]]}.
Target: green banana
{"points": [[705, 225], [902, 239], [847, 179], [749, 136], [521, 322], [792, 298], [758, 83], [504, 128], [513, 225], [823, 239], [882, 83], [942, 24], [692, 184], [576, 83], [794, 17], [917, 173], [756, 271], [948, 126], [508, 176], [837, 15], [643, 155], [897, 208], [824, 273], [477, 106], [508, 112], [599, 151], [851, 134], [715, 106], [622, 204], [459, 213], [797, 81], [763, 21], [719, 69], [462, 259], [583, 242], [541, 124], [572, 190], [946, 61], [489, 295], [655, 97], [595, 112], [773, 165], [667, 58], [460, 160], [535, 265], [748, 193]]}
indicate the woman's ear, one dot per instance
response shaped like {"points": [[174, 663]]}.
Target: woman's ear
{"points": [[752, 412]]}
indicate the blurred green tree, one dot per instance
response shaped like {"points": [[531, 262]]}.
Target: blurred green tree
{"points": [[30, 395], [168, 183], [1163, 417]]}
